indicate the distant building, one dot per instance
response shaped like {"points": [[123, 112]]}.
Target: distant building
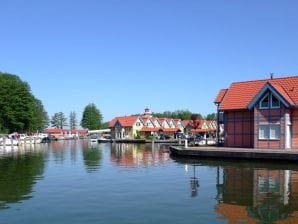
{"points": [[65, 133], [260, 114], [204, 128], [147, 126]]}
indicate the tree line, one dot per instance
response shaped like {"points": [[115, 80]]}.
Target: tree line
{"points": [[91, 119], [21, 111], [184, 115]]}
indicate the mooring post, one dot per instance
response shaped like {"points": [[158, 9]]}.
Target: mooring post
{"points": [[4, 142], [186, 144]]}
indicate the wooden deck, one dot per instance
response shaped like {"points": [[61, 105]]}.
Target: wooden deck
{"points": [[237, 153]]}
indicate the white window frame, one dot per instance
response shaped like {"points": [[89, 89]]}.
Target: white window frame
{"points": [[265, 137], [268, 128], [267, 95], [277, 137], [270, 104]]}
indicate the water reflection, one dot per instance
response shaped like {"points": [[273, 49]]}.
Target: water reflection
{"points": [[136, 155], [253, 193], [92, 156], [19, 172]]}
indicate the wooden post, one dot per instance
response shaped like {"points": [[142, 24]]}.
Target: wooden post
{"points": [[4, 142], [186, 144]]}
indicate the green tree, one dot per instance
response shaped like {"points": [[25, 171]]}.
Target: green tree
{"points": [[19, 109], [178, 114], [92, 118], [105, 125], [59, 120], [212, 116], [73, 122], [40, 118]]}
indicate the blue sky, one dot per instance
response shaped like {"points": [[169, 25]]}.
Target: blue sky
{"points": [[125, 55]]}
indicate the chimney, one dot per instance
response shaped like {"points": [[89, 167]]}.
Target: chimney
{"points": [[271, 75]]}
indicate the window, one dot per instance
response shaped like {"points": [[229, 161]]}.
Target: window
{"points": [[275, 103], [269, 131], [265, 102], [138, 124], [263, 132], [269, 100], [275, 131]]}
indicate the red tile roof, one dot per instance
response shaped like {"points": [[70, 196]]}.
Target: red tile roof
{"points": [[52, 130], [186, 122], [127, 121], [146, 129], [240, 94], [113, 122], [220, 95], [171, 129]]}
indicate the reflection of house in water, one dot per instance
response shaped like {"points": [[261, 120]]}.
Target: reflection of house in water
{"points": [[133, 155], [257, 195]]}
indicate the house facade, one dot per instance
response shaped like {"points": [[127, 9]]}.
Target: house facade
{"points": [[144, 126], [260, 114], [56, 133], [205, 128]]}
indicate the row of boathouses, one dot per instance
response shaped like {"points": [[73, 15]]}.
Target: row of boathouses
{"points": [[147, 126]]}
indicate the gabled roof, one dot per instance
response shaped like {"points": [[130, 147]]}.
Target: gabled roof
{"points": [[240, 94], [113, 122], [53, 130], [220, 95], [186, 122], [126, 121]]}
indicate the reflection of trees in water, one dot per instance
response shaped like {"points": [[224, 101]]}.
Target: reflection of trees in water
{"points": [[92, 158], [18, 176], [134, 155]]}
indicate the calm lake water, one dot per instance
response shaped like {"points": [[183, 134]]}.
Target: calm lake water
{"points": [[75, 182]]}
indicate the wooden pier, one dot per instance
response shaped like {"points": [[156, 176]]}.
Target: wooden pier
{"points": [[236, 153]]}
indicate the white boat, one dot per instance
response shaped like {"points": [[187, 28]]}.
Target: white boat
{"points": [[6, 141], [60, 138], [93, 140]]}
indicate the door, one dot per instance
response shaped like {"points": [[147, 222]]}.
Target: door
{"points": [[288, 136]]}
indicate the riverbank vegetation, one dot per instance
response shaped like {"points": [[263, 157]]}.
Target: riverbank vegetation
{"points": [[20, 110]]}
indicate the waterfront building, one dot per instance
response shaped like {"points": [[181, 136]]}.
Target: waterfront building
{"points": [[205, 128], [259, 114], [147, 126], [57, 133]]}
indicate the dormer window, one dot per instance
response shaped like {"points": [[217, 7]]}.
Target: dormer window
{"points": [[275, 103], [265, 102], [269, 101]]}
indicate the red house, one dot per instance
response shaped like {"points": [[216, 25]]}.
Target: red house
{"points": [[260, 114]]}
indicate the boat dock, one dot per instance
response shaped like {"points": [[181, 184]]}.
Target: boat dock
{"points": [[237, 153], [144, 141]]}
